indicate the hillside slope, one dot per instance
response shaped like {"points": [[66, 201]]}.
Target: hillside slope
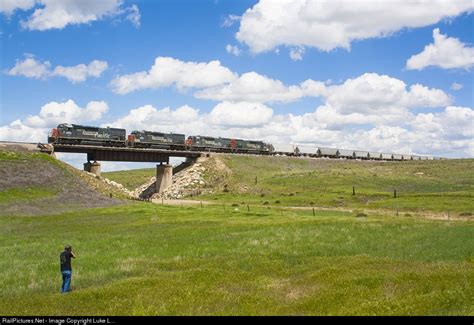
{"points": [[445, 186], [33, 183]]}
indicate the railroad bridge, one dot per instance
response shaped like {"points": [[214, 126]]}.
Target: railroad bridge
{"points": [[164, 170]]}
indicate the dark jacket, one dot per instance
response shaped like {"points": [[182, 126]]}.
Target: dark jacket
{"points": [[65, 260]]}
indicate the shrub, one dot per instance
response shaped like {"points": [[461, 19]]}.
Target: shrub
{"points": [[360, 214], [465, 214], [277, 202]]}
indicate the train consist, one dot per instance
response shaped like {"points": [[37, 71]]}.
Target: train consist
{"points": [[73, 134]]}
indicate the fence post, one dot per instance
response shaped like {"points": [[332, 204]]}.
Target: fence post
{"points": [[313, 213], [255, 180], [248, 208], [394, 193], [201, 204], [353, 190]]}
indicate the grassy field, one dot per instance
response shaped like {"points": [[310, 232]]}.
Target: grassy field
{"points": [[141, 258], [445, 186], [440, 186], [146, 259]]}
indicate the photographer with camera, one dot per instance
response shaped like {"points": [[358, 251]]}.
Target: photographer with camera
{"points": [[66, 269]]}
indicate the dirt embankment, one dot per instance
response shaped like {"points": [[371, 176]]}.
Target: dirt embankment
{"points": [[202, 177], [186, 183], [33, 183]]}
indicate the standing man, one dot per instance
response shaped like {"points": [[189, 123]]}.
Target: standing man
{"points": [[66, 269]]}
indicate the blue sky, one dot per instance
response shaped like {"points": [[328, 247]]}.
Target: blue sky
{"points": [[130, 35]]}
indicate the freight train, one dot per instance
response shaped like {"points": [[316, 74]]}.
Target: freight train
{"points": [[74, 134]]}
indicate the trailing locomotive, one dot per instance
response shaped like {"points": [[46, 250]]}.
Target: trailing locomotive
{"points": [[158, 140], [199, 143], [89, 135]]}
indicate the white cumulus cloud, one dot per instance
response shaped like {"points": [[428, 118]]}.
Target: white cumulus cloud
{"points": [[232, 49], [255, 87], [456, 86], [296, 54], [454, 122], [133, 15], [230, 20], [445, 52], [57, 14], [327, 25], [150, 118], [81, 72], [17, 131], [168, 71], [35, 128], [241, 114], [32, 68], [7, 7], [373, 99], [54, 113], [374, 93]]}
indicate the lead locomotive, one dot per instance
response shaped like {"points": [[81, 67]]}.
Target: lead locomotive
{"points": [[87, 135]]}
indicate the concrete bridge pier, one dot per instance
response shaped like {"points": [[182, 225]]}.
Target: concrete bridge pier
{"points": [[164, 174], [92, 167]]}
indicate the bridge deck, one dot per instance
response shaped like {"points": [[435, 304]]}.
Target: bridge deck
{"points": [[125, 153]]}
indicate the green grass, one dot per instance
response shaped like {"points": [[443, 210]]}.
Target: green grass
{"points": [[25, 194], [145, 259], [440, 186], [445, 186], [131, 179]]}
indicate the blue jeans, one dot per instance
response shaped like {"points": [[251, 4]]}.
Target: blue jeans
{"points": [[66, 287]]}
